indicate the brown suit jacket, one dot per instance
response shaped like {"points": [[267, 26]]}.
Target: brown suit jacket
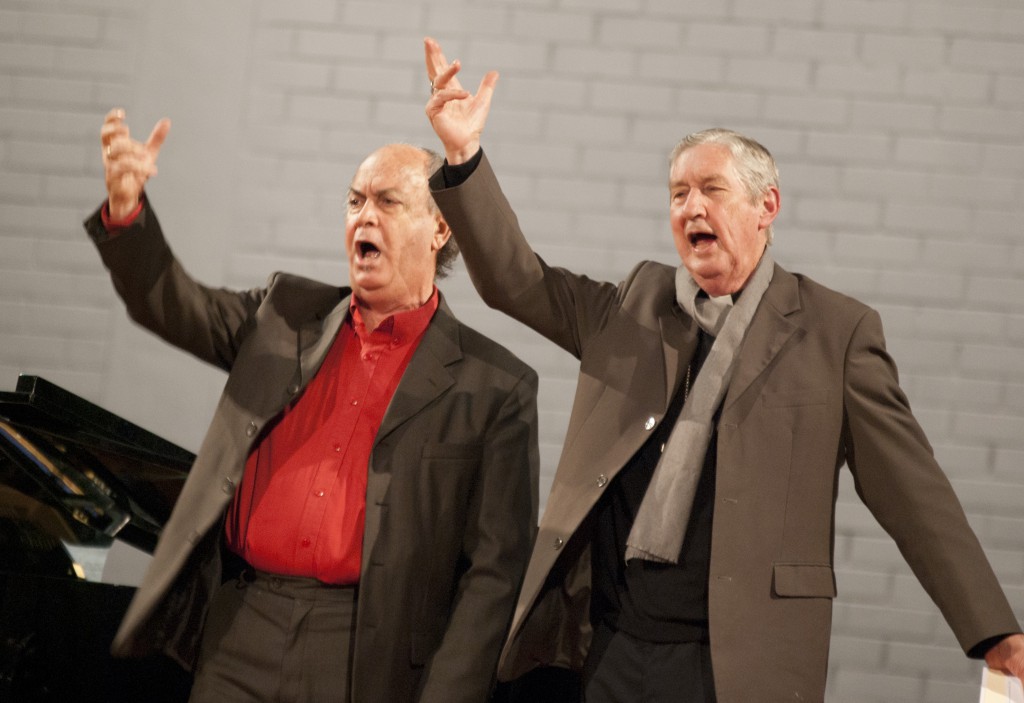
{"points": [[452, 487], [813, 389]]}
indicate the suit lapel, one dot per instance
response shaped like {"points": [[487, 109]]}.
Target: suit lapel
{"points": [[769, 331], [316, 338], [426, 378]]}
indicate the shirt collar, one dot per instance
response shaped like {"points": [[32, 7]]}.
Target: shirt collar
{"points": [[402, 326]]}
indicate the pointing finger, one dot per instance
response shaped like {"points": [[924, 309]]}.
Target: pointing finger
{"points": [[157, 136], [436, 62], [486, 89]]}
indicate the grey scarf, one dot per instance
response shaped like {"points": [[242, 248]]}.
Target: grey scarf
{"points": [[660, 526]]}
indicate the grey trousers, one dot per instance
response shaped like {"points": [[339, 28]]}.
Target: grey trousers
{"points": [[276, 639]]}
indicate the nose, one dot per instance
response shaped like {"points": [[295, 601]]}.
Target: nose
{"points": [[694, 205], [366, 215]]}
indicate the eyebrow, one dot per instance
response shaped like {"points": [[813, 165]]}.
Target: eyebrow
{"points": [[385, 192], [713, 179]]}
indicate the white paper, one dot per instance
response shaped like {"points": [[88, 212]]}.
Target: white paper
{"points": [[1000, 688]]}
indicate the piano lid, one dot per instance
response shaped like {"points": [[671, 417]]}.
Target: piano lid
{"points": [[82, 473]]}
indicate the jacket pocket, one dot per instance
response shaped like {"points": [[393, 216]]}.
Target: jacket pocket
{"points": [[803, 581]]}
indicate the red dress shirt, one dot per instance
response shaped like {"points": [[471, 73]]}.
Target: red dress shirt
{"points": [[301, 505]]}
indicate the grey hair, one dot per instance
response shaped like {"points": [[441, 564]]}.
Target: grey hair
{"points": [[755, 165], [450, 251]]}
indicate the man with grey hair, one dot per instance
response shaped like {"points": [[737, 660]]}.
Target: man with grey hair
{"points": [[755, 166], [357, 521], [685, 553]]}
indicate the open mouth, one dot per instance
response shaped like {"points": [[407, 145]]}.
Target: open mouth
{"points": [[698, 239], [368, 251]]}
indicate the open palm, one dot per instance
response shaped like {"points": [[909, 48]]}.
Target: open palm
{"points": [[457, 116]]}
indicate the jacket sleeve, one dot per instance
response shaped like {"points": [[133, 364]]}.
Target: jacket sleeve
{"points": [[897, 477], [159, 294], [566, 308], [498, 537]]}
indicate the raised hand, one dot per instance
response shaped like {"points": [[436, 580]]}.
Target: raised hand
{"points": [[128, 163], [457, 116]]}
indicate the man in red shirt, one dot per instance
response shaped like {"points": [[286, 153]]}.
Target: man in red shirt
{"points": [[358, 518]]}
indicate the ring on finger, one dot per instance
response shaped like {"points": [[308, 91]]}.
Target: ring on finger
{"points": [[432, 88]]}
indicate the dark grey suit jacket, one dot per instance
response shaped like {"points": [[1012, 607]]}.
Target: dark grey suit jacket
{"points": [[813, 389], [452, 489]]}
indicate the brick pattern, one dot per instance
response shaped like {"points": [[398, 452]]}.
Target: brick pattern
{"points": [[898, 126]]}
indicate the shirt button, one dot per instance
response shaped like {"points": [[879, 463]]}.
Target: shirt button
{"points": [[305, 542], [559, 542], [318, 494], [602, 481], [649, 425], [251, 429], [355, 402], [337, 447]]}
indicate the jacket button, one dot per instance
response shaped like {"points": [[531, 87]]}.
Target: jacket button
{"points": [[649, 425], [602, 481], [559, 542], [293, 389], [251, 429], [228, 486]]}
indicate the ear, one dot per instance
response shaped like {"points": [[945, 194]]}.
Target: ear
{"points": [[441, 234], [770, 204]]}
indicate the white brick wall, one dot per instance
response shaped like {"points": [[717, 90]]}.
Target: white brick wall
{"points": [[898, 126]]}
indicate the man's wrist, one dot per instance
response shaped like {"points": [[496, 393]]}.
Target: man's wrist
{"points": [[461, 156], [453, 175], [120, 217]]}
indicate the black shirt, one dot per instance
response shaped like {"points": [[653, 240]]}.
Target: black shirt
{"points": [[652, 601]]}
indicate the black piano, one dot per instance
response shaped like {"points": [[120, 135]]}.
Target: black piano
{"points": [[73, 475]]}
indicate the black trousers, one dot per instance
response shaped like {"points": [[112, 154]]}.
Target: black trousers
{"points": [[623, 669], [276, 639]]}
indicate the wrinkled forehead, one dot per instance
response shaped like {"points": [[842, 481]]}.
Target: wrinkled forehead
{"points": [[395, 169], [704, 162]]}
